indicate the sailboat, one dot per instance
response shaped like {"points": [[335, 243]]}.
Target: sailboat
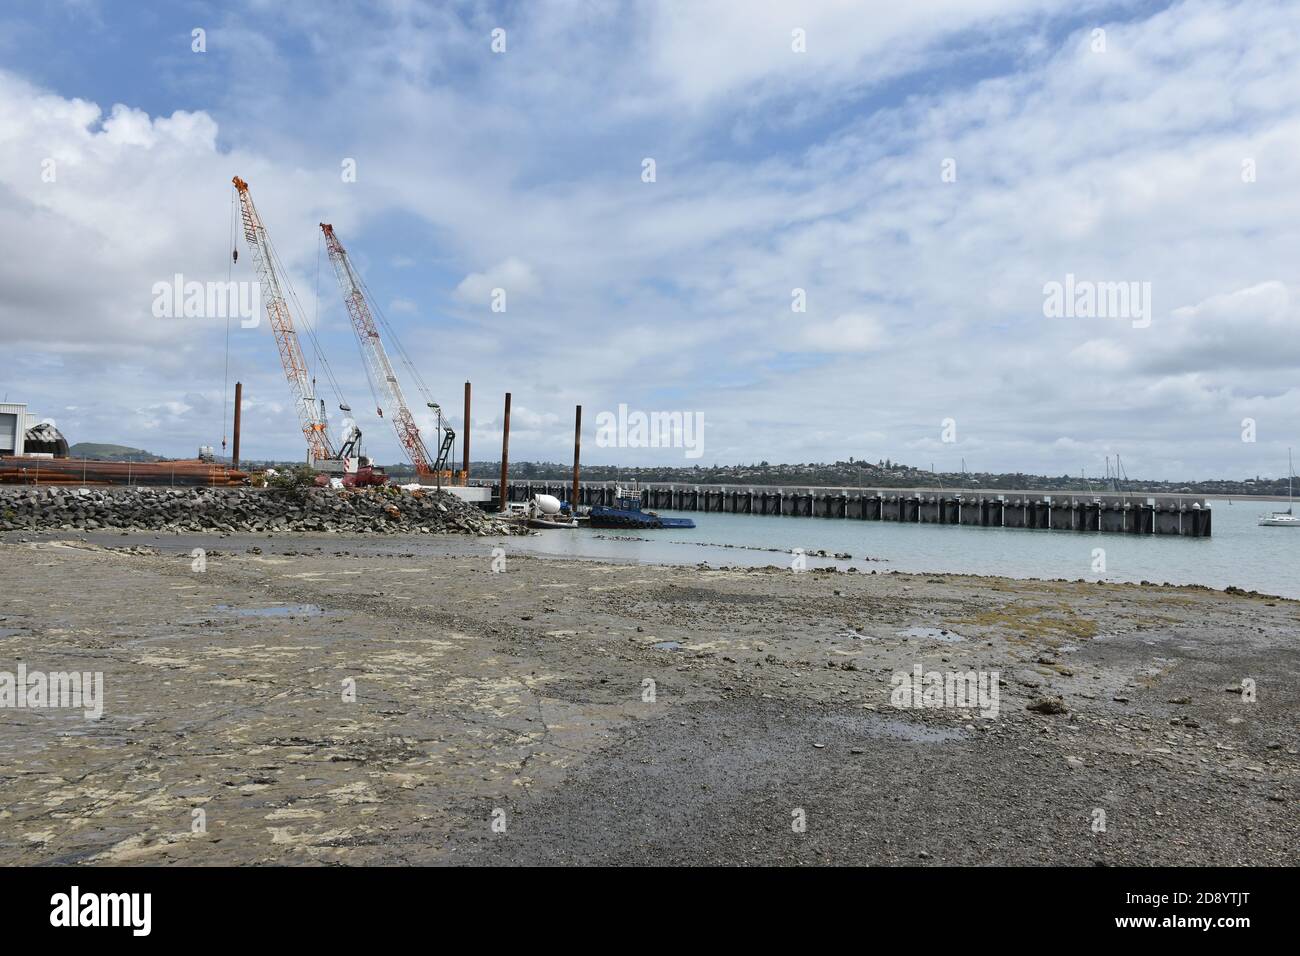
{"points": [[1283, 519]]}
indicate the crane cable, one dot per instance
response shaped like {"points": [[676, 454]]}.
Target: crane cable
{"points": [[225, 379], [365, 361], [402, 355], [311, 334]]}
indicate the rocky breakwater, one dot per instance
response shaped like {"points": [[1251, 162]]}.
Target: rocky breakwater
{"points": [[378, 511]]}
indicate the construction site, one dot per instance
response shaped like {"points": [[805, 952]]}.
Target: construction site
{"points": [[33, 451]]}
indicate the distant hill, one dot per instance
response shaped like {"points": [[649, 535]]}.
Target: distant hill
{"points": [[881, 474], [101, 452]]}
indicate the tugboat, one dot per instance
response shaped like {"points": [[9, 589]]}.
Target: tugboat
{"points": [[626, 513]]}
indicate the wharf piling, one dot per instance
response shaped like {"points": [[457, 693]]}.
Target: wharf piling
{"points": [[1104, 512]]}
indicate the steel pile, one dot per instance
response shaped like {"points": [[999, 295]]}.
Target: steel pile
{"points": [[187, 473]]}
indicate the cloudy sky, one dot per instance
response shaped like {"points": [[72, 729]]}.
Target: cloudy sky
{"points": [[922, 171]]}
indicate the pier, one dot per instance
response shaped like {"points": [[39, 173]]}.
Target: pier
{"points": [[1114, 512]]}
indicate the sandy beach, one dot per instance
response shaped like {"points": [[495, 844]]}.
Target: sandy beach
{"points": [[340, 700]]}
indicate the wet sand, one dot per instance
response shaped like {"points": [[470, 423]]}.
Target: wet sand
{"points": [[508, 717]]}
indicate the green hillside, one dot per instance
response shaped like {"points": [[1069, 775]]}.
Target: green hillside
{"points": [[103, 452]]}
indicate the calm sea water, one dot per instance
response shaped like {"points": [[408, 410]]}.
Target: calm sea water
{"points": [[1239, 553]]}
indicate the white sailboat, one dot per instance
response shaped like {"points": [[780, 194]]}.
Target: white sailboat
{"points": [[1283, 519]]}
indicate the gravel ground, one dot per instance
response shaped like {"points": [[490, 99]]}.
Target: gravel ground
{"points": [[568, 711]]}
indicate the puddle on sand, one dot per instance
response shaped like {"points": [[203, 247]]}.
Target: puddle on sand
{"points": [[278, 610], [9, 631], [667, 646], [931, 633]]}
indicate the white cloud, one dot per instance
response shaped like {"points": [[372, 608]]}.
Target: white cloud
{"points": [[1257, 328], [1100, 354], [707, 50], [844, 333], [512, 275]]}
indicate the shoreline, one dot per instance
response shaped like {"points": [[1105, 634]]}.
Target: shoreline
{"points": [[821, 562], [463, 544]]}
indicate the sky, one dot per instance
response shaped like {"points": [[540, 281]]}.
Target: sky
{"points": [[857, 213]]}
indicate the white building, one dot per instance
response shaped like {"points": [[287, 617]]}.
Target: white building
{"points": [[22, 433], [13, 426]]}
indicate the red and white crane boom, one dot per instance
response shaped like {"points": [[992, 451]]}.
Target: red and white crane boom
{"points": [[311, 413], [378, 368]]}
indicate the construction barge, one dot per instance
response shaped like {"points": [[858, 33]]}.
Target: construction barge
{"points": [[1115, 512]]}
